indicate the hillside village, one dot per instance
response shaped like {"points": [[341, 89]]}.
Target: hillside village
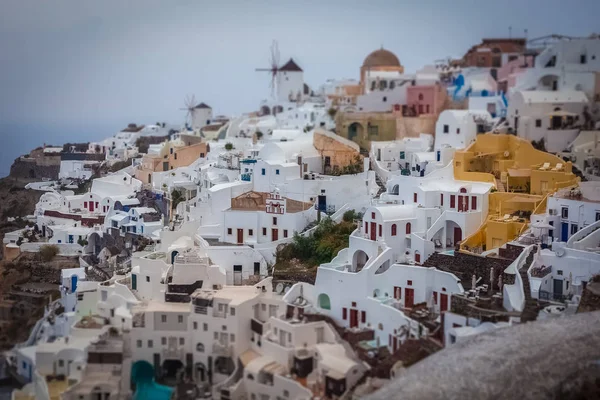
{"points": [[319, 247]]}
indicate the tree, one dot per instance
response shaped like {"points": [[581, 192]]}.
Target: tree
{"points": [[48, 252], [228, 146], [332, 111], [176, 198]]}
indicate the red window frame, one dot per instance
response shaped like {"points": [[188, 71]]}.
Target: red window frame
{"points": [[452, 201], [474, 203]]}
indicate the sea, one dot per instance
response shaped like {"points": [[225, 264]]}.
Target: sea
{"points": [[22, 137]]}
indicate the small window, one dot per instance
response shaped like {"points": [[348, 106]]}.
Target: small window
{"points": [[264, 231], [285, 233], [163, 318], [384, 99], [147, 279], [205, 327], [232, 311], [180, 319], [250, 232], [564, 212], [574, 229], [139, 343], [409, 283], [264, 171], [446, 129], [229, 231], [163, 341], [61, 363], [408, 228], [276, 172], [274, 220], [232, 337], [597, 216], [415, 197], [583, 59], [380, 230], [457, 131], [181, 341], [175, 155], [372, 215], [150, 344], [559, 272], [394, 229], [200, 348], [538, 123]]}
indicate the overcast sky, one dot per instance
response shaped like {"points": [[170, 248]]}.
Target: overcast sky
{"points": [[101, 63]]}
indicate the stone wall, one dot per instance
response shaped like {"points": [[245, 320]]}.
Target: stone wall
{"points": [[40, 168], [590, 300]]}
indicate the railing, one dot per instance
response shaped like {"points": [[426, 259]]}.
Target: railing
{"points": [[544, 295], [246, 177]]}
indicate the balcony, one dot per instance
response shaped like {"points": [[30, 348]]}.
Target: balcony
{"points": [[220, 349]]}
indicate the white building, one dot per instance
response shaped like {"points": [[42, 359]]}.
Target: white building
{"points": [[77, 169], [201, 116], [552, 116], [290, 82]]}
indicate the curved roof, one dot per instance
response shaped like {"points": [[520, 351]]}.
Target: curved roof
{"points": [[381, 58], [396, 211]]}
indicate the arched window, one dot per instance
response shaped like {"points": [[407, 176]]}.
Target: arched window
{"points": [[324, 301], [463, 190], [200, 347], [393, 229], [408, 228]]}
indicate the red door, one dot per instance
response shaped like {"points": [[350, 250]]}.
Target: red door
{"points": [[409, 296], [460, 203], [91, 206], [457, 235], [443, 302], [373, 231], [274, 235], [417, 258], [240, 236], [353, 318]]}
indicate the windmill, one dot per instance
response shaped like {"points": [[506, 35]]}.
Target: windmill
{"points": [[190, 104], [274, 69]]}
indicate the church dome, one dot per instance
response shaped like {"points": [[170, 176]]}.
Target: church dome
{"points": [[381, 58]]}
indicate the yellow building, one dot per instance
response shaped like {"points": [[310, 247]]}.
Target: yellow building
{"points": [[174, 154], [523, 177], [336, 151]]}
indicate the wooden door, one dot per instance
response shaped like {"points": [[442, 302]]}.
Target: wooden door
{"points": [[353, 318], [91, 206], [417, 258], [443, 302], [460, 203], [373, 231], [457, 235], [409, 296], [274, 235], [240, 236]]}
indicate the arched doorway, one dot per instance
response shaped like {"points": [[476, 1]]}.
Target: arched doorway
{"points": [[173, 255], [200, 372], [548, 82], [454, 234], [395, 190], [264, 110], [324, 301], [359, 259], [355, 129], [277, 110]]}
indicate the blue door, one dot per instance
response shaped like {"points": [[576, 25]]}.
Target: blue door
{"points": [[564, 231], [134, 281], [73, 283]]}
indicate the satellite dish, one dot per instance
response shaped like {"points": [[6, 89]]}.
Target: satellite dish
{"points": [[279, 288], [559, 252]]}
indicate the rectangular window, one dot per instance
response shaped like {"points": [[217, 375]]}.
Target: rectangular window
{"points": [[180, 319], [415, 197], [559, 272], [150, 344], [285, 233], [264, 171], [264, 231], [435, 298], [409, 283], [373, 130], [250, 232], [216, 335], [457, 131], [538, 123], [147, 279], [181, 341], [139, 343], [195, 325], [344, 313], [274, 220], [474, 203], [372, 215], [564, 212], [229, 231], [163, 341], [597, 216], [441, 199], [583, 59], [276, 172], [380, 230], [163, 318], [231, 337], [452, 201], [363, 316], [574, 229], [446, 129], [366, 227], [402, 155]]}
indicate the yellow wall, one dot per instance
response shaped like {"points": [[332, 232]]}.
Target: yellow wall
{"points": [[385, 123], [339, 153], [182, 156]]}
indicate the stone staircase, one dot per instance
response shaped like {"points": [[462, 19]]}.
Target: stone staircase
{"points": [[381, 185], [500, 185], [531, 308]]}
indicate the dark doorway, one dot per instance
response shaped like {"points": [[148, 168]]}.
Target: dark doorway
{"points": [[240, 236], [443, 302], [353, 318], [237, 275], [457, 235], [558, 288], [373, 231], [274, 235], [409, 297], [170, 371], [322, 203]]}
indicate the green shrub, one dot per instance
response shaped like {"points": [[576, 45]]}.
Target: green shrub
{"points": [[48, 252]]}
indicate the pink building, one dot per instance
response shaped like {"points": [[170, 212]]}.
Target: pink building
{"points": [[507, 74], [423, 99]]}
